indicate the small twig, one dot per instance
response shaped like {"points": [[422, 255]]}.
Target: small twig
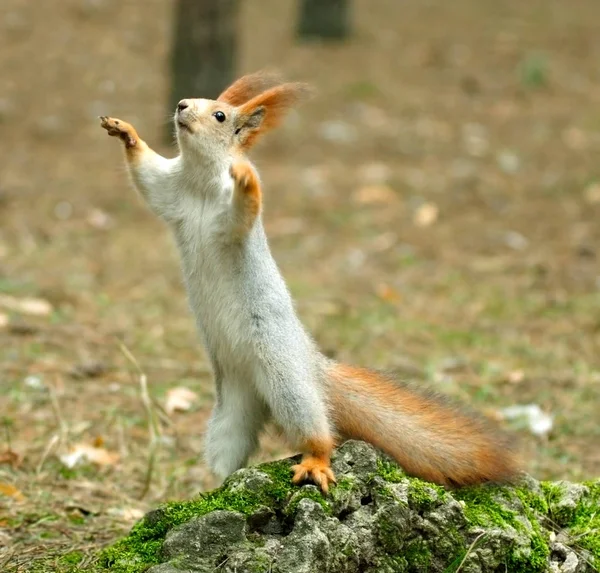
{"points": [[7, 432], [153, 426], [222, 563], [62, 425], [53, 441], [7, 558], [123, 448], [471, 547]]}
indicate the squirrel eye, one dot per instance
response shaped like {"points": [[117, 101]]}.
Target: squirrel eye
{"points": [[219, 116]]}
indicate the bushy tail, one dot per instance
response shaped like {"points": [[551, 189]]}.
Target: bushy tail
{"points": [[424, 432]]}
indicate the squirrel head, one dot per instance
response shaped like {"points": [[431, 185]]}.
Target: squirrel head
{"points": [[231, 124]]}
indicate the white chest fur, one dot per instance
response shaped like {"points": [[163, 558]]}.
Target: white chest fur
{"points": [[213, 268]]}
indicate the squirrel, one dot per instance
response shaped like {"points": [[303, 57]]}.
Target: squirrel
{"points": [[266, 366]]}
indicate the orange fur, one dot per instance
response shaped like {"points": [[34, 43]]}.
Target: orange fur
{"points": [[247, 194], [315, 465], [249, 86], [275, 103], [427, 435], [134, 146]]}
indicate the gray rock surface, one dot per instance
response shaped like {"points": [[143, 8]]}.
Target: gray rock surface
{"points": [[376, 520]]}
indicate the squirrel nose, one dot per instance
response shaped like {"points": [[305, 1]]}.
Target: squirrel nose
{"points": [[183, 104]]}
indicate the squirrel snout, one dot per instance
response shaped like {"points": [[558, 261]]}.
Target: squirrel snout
{"points": [[183, 104]]}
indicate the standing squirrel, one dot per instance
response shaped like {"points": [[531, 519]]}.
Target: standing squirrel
{"points": [[266, 366]]}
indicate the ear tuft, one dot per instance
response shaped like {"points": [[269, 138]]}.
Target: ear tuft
{"points": [[270, 107], [249, 86]]}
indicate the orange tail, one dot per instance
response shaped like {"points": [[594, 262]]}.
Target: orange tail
{"points": [[426, 434]]}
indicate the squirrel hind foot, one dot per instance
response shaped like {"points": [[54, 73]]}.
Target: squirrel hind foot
{"points": [[314, 469]]}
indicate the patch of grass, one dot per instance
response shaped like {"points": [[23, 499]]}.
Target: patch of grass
{"points": [[72, 558], [361, 90], [534, 71]]}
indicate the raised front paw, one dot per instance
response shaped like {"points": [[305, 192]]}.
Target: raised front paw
{"points": [[244, 176], [316, 470], [121, 129]]}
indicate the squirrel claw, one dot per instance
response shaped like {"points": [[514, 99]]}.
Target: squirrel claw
{"points": [[316, 470]]}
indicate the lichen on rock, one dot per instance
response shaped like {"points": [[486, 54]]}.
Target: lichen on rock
{"points": [[376, 520]]}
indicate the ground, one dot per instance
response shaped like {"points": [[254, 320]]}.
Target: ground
{"points": [[434, 210]]}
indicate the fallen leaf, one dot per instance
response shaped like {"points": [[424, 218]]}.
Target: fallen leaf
{"points": [[100, 219], [11, 458], [34, 382], [27, 305], [126, 513], [22, 328], [538, 422], [426, 215], [516, 376], [375, 194], [11, 491], [387, 293], [515, 240], [180, 399], [85, 452], [375, 172], [88, 369]]}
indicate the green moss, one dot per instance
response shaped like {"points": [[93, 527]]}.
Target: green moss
{"points": [[392, 564], [552, 491], [423, 495], [141, 547], [72, 558], [69, 562], [584, 529], [532, 500], [389, 471], [261, 563], [344, 484], [582, 522], [483, 508], [561, 514], [418, 555], [306, 493]]}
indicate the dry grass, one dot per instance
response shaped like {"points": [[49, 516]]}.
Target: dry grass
{"points": [[486, 113]]}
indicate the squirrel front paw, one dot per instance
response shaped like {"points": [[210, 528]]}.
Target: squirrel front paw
{"points": [[244, 176], [121, 129]]}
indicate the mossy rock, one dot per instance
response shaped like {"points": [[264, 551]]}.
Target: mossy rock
{"points": [[376, 520]]}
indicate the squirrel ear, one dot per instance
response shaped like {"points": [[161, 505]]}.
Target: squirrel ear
{"points": [[267, 110], [248, 125], [249, 86]]}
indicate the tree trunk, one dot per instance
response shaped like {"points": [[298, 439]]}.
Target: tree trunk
{"points": [[204, 48], [323, 20]]}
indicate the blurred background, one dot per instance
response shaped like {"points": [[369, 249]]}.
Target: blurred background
{"points": [[434, 209]]}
